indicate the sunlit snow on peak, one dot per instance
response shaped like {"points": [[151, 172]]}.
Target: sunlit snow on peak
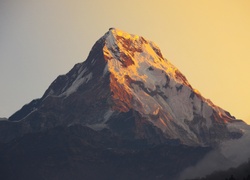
{"points": [[142, 79]]}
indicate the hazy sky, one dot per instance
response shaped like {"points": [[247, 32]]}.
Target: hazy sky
{"points": [[208, 40]]}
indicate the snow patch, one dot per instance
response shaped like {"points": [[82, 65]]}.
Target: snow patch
{"points": [[107, 115], [102, 124], [105, 70], [93, 61], [34, 109], [112, 45], [207, 112], [97, 127], [81, 79]]}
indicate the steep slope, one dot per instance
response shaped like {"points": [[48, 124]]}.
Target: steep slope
{"points": [[128, 87]]}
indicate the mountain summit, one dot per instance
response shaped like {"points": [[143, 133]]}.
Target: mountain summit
{"points": [[127, 87]]}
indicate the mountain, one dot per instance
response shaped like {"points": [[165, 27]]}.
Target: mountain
{"points": [[127, 86], [124, 113]]}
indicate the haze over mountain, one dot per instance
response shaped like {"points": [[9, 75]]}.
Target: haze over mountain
{"points": [[127, 98]]}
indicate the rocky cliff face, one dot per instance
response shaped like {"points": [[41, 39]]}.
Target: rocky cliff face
{"points": [[129, 88]]}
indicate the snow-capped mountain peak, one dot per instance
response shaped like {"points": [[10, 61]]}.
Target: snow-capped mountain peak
{"points": [[125, 80]]}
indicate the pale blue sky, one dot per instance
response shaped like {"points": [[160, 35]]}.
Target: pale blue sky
{"points": [[207, 40]]}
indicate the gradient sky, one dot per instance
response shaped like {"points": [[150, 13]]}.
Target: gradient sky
{"points": [[208, 40]]}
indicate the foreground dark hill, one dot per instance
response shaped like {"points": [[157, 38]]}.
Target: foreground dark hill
{"points": [[79, 152]]}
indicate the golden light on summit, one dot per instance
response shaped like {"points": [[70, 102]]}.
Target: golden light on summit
{"points": [[124, 34]]}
